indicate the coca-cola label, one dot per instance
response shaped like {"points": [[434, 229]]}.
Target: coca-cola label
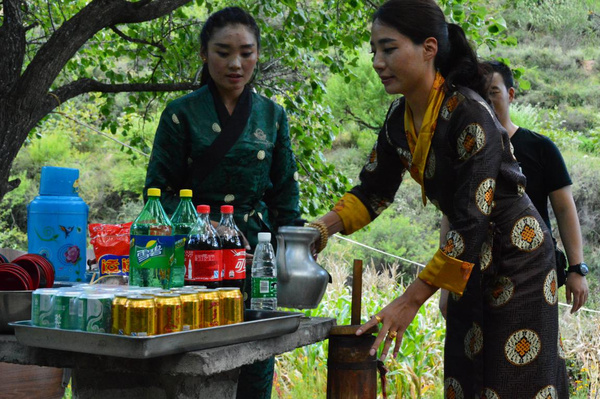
{"points": [[203, 265], [234, 264]]}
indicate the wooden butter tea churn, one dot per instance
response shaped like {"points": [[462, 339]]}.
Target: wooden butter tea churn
{"points": [[351, 370]]}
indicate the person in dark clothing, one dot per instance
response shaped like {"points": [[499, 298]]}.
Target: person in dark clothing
{"points": [[502, 338], [257, 175], [547, 178]]}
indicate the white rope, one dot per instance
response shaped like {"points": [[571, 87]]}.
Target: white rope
{"points": [[584, 309], [378, 250], [421, 265]]}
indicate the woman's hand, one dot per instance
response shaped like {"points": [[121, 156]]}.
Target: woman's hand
{"points": [[396, 317], [576, 291]]}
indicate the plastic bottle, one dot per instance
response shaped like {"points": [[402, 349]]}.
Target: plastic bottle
{"points": [[203, 255], [234, 251], [264, 275], [184, 218], [151, 255]]}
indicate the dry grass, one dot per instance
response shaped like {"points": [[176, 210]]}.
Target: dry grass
{"points": [[581, 341]]}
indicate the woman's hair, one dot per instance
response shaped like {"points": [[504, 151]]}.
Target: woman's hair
{"points": [[422, 19], [220, 19]]}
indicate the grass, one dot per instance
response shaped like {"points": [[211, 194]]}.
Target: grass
{"points": [[417, 372]]}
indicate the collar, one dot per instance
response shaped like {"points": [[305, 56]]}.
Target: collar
{"points": [[420, 142]]}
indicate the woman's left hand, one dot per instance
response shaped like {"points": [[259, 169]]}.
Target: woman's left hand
{"points": [[396, 317]]}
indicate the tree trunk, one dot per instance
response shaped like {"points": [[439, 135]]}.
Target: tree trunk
{"points": [[26, 96]]}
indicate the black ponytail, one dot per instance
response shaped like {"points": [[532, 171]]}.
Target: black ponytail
{"points": [[462, 66]]}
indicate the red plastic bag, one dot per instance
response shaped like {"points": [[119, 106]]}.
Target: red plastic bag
{"points": [[111, 247]]}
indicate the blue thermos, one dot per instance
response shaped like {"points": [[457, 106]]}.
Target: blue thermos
{"points": [[57, 223]]}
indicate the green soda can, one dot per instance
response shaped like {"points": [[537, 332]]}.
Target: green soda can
{"points": [[42, 307], [68, 313], [97, 309]]}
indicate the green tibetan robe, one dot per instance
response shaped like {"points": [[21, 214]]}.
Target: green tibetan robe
{"points": [[258, 175]]}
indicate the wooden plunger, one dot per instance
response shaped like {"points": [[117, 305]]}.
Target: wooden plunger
{"points": [[351, 371]]}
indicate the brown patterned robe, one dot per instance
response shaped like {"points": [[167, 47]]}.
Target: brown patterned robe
{"points": [[502, 334]]}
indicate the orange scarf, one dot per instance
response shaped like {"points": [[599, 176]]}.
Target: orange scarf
{"points": [[419, 143]]}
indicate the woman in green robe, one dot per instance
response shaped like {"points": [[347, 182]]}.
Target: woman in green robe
{"points": [[257, 172]]}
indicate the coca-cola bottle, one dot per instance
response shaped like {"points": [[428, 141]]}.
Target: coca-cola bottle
{"points": [[203, 255], [234, 251]]}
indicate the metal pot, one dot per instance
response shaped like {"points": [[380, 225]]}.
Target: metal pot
{"points": [[301, 281]]}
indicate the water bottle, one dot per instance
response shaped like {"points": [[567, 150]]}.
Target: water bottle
{"points": [[264, 275], [234, 251], [203, 255], [184, 218], [151, 254], [57, 223]]}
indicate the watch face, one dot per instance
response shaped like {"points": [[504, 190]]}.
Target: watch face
{"points": [[584, 269]]}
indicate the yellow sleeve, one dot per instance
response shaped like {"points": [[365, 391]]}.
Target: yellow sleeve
{"points": [[446, 272], [353, 212]]}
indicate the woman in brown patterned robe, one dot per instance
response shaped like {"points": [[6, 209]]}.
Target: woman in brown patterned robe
{"points": [[502, 324]]}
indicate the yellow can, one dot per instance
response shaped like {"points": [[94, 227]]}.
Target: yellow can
{"points": [[191, 316], [231, 305], [119, 319], [209, 304], [140, 316], [168, 313]]}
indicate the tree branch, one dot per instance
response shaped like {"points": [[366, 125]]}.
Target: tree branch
{"points": [[101, 133], [74, 33], [361, 122], [159, 45], [87, 85]]}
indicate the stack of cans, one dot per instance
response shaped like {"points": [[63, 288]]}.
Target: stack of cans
{"points": [[135, 311]]}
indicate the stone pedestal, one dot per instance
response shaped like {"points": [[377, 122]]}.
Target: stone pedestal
{"points": [[210, 373]]}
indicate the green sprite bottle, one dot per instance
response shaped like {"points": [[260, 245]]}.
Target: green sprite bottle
{"points": [[184, 218], [152, 248]]}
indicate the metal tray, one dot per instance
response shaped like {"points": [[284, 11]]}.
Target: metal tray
{"points": [[16, 305], [258, 325]]}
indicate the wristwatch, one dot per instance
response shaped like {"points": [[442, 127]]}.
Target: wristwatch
{"points": [[580, 268]]}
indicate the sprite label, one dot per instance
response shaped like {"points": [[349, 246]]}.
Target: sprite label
{"points": [[264, 287], [150, 260]]}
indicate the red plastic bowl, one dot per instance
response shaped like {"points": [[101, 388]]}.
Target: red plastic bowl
{"points": [[32, 267], [13, 280], [45, 268]]}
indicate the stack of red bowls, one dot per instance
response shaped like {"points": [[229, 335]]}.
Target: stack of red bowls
{"points": [[27, 272]]}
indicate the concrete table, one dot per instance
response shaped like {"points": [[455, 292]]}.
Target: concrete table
{"points": [[211, 373]]}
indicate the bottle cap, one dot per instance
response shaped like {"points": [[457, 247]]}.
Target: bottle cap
{"points": [[154, 192], [59, 181], [262, 237], [203, 208], [226, 208], [185, 193]]}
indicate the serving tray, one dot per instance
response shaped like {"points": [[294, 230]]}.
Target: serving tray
{"points": [[258, 325]]}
